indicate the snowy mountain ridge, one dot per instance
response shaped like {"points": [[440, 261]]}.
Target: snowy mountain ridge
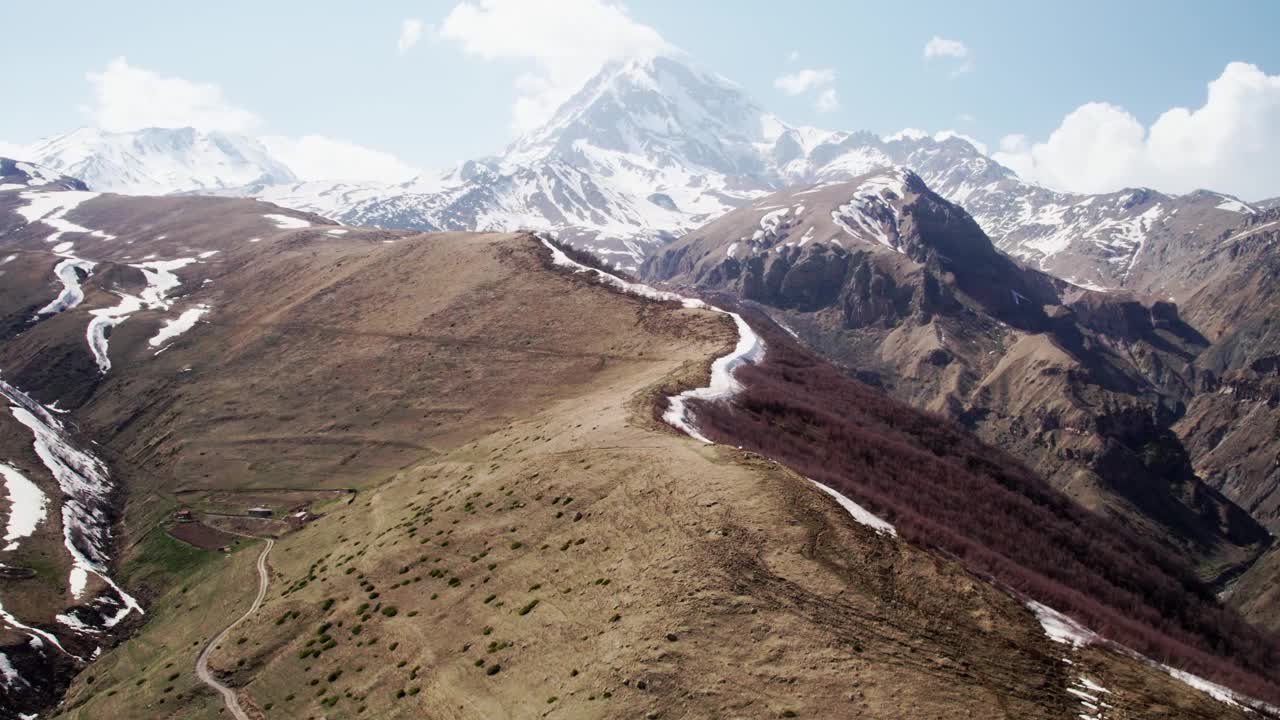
{"points": [[160, 161], [648, 150]]}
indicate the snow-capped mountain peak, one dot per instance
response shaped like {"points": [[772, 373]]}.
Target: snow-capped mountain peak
{"points": [[649, 149], [659, 108], [158, 161]]}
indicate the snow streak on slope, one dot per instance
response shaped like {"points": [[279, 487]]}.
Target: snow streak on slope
{"points": [[86, 488], [24, 175], [51, 208], [1062, 629], [870, 214], [27, 506], [38, 637], [68, 273], [860, 514], [723, 386], [176, 326], [287, 222], [103, 320], [8, 673], [161, 280], [1090, 693]]}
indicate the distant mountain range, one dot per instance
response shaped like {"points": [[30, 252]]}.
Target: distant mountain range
{"points": [[160, 161], [650, 149], [924, 310]]}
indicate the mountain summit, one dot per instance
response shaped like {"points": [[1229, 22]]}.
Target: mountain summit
{"points": [[650, 149], [159, 161]]}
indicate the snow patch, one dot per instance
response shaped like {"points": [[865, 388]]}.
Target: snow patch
{"points": [[27, 506], [70, 620], [176, 326], [1233, 205], [860, 514], [103, 320], [749, 348], [68, 273], [870, 214], [38, 637], [559, 258], [1214, 690], [51, 208], [723, 386], [1061, 628], [1090, 695], [160, 280], [8, 673], [286, 222], [86, 488]]}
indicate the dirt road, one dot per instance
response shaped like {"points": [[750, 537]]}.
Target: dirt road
{"points": [[202, 662]]}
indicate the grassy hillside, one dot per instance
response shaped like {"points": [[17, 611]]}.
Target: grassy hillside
{"points": [[579, 559]]}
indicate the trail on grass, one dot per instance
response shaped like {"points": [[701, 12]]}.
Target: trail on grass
{"points": [[229, 696]]}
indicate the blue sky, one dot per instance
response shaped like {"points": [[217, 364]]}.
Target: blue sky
{"points": [[334, 69]]}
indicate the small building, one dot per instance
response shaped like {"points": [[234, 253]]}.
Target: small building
{"points": [[183, 516], [260, 512]]}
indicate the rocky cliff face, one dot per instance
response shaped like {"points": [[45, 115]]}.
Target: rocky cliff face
{"points": [[904, 288], [1232, 424]]}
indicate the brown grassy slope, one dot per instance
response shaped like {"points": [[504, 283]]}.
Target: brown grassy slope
{"points": [[1256, 594], [670, 579]]}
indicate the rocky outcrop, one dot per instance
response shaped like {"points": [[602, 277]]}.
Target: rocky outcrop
{"points": [[889, 279]]}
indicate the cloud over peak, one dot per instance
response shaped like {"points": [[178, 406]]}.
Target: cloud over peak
{"points": [[129, 98], [567, 41]]}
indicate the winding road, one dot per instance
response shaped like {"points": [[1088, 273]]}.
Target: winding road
{"points": [[202, 662]]}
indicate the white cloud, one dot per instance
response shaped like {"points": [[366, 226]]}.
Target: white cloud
{"points": [[967, 118], [1013, 144], [951, 50], [410, 33], [316, 157], [129, 98], [567, 41], [802, 81], [1228, 144], [939, 47], [827, 101]]}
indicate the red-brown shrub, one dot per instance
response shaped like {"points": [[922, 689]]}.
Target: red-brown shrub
{"points": [[943, 489]]}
